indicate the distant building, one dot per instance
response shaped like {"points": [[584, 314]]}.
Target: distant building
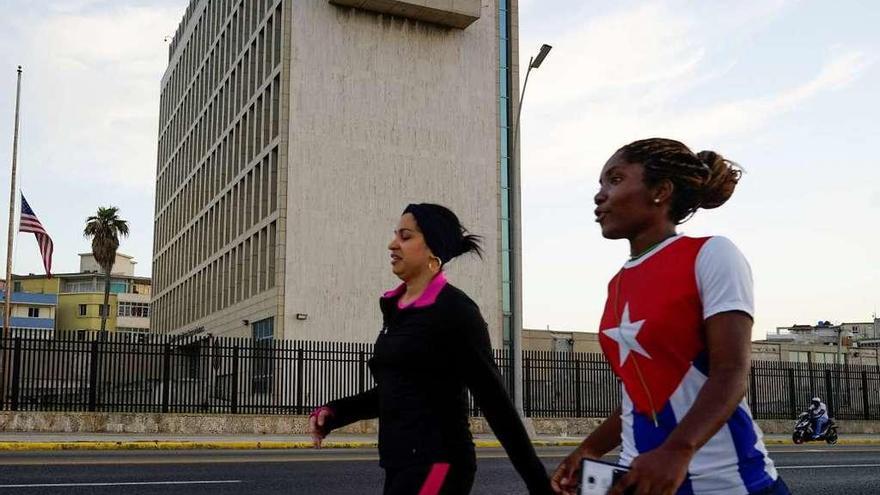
{"points": [[32, 314], [816, 353], [78, 297], [560, 341], [824, 332]]}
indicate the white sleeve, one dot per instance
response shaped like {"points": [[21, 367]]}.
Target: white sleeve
{"points": [[724, 279]]}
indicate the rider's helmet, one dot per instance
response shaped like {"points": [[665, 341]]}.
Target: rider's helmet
{"points": [[816, 401]]}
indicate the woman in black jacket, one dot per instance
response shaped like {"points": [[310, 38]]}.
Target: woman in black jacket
{"points": [[433, 347]]}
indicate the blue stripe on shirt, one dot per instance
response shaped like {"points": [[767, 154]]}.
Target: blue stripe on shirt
{"points": [[648, 437], [752, 468]]}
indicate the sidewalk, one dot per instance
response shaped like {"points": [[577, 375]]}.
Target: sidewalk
{"points": [[13, 441]]}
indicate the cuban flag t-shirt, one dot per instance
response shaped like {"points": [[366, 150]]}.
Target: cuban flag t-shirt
{"points": [[652, 334]]}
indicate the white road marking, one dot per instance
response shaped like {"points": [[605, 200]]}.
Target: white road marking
{"points": [[130, 483], [826, 466]]}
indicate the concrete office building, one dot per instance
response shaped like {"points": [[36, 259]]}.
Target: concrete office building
{"points": [[293, 133]]}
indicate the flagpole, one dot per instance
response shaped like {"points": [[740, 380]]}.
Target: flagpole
{"points": [[7, 310]]}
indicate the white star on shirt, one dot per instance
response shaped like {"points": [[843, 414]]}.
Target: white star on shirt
{"points": [[625, 335]]}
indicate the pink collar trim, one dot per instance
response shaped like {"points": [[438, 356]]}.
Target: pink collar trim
{"points": [[428, 297]]}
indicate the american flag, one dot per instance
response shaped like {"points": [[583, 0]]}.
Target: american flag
{"points": [[30, 223]]}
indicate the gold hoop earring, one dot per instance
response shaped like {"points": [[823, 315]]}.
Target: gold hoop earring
{"points": [[439, 263]]}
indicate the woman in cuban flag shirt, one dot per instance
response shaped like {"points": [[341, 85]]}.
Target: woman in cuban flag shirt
{"points": [[677, 332]]}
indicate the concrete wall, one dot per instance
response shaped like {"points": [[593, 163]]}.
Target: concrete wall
{"points": [[68, 317], [123, 265], [384, 111], [230, 322], [220, 424], [453, 13], [40, 285]]}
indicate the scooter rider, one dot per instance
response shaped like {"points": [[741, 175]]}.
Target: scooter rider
{"points": [[819, 414]]}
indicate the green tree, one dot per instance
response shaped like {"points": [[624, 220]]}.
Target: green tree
{"points": [[104, 229]]}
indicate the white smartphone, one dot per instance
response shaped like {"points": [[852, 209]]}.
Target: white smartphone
{"points": [[598, 477]]}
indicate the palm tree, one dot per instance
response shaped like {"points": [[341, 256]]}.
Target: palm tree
{"points": [[104, 229]]}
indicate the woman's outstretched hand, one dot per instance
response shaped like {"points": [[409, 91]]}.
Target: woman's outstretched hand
{"points": [[317, 424], [565, 478]]}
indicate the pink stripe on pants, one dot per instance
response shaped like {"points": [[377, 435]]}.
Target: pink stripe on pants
{"points": [[435, 479]]}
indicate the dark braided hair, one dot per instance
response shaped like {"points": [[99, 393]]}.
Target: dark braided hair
{"points": [[702, 180]]}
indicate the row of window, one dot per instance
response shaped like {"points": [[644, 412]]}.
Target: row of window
{"points": [[97, 285], [504, 152], [209, 111], [218, 154], [224, 166], [816, 357], [208, 23], [242, 272], [133, 309], [217, 38], [181, 27], [251, 201], [84, 309], [91, 285]]}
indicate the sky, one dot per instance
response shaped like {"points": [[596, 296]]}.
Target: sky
{"points": [[788, 89]]}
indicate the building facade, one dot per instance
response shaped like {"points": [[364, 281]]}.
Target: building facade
{"points": [[825, 332], [556, 341], [31, 314], [78, 297], [293, 134]]}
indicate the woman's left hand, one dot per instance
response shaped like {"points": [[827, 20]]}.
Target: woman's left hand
{"points": [[658, 472]]}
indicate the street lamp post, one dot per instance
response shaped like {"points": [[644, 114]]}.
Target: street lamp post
{"points": [[516, 250]]}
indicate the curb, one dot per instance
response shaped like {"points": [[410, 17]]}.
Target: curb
{"points": [[851, 441], [277, 445], [175, 445], [268, 445]]}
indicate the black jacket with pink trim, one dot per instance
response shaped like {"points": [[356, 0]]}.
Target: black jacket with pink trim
{"points": [[425, 360]]}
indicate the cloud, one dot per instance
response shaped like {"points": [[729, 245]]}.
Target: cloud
{"points": [[90, 97], [638, 71], [634, 72], [635, 48], [93, 86], [726, 119]]}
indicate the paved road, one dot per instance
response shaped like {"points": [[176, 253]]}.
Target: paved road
{"points": [[822, 470]]}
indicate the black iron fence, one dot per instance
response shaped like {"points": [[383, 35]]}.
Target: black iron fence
{"points": [[780, 390], [243, 376]]}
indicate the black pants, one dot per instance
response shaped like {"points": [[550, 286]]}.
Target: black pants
{"points": [[430, 479]]}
